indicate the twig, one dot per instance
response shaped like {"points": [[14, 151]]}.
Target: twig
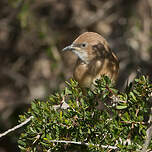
{"points": [[82, 143], [133, 122], [16, 127]]}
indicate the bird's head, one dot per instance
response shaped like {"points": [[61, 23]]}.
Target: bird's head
{"points": [[88, 46]]}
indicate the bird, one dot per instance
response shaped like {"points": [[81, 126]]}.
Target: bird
{"points": [[95, 58]]}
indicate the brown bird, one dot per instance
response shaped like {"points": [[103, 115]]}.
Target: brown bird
{"points": [[95, 58]]}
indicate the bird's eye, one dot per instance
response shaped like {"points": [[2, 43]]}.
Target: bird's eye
{"points": [[84, 45]]}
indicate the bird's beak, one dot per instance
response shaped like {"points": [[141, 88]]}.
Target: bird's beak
{"points": [[67, 48], [70, 48]]}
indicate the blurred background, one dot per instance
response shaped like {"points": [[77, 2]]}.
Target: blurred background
{"points": [[33, 33]]}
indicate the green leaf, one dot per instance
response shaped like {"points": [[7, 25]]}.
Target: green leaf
{"points": [[120, 107], [133, 96]]}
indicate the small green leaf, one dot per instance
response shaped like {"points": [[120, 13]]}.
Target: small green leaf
{"points": [[120, 107], [133, 96]]}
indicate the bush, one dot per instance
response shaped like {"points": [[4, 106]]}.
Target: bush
{"points": [[73, 116]]}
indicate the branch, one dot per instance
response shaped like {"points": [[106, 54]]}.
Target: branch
{"points": [[16, 127], [82, 143], [16, 11], [148, 133], [97, 16]]}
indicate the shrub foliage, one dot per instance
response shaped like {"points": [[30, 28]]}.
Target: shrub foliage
{"points": [[75, 116]]}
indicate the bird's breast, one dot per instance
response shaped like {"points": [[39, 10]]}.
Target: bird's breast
{"points": [[83, 75], [86, 74]]}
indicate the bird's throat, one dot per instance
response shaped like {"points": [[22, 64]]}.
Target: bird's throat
{"points": [[82, 56]]}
